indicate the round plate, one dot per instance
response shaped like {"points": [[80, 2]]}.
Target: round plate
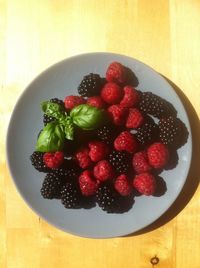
{"points": [[60, 80]]}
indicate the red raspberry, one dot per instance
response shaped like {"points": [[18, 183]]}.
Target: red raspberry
{"points": [[82, 156], [103, 170], [158, 155], [73, 101], [53, 160], [116, 72], [96, 101], [98, 150], [87, 183], [145, 183], [118, 114], [111, 93], [125, 142], [122, 185], [140, 162], [135, 118], [131, 97]]}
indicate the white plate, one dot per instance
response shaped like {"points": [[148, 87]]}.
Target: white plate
{"points": [[58, 81]]}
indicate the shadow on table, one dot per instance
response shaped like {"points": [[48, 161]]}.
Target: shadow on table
{"points": [[192, 181]]}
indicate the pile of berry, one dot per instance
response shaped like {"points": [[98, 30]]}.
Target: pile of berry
{"points": [[112, 163]]}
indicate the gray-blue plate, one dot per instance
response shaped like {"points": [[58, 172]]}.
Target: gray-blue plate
{"points": [[63, 79]]}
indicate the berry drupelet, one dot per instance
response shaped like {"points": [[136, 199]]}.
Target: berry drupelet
{"points": [[51, 186], [90, 85], [147, 133], [155, 105], [107, 198], [47, 119], [38, 163], [169, 130], [70, 195], [120, 161]]}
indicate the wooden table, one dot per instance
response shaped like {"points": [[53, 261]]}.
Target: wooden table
{"points": [[35, 34]]}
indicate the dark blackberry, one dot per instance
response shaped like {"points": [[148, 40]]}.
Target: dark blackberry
{"points": [[147, 133], [90, 85], [38, 163], [69, 170], [58, 101], [120, 161], [70, 195], [107, 198], [155, 105], [169, 130], [107, 133], [51, 186], [47, 119]]}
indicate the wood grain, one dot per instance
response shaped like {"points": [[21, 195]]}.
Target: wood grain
{"points": [[34, 35]]}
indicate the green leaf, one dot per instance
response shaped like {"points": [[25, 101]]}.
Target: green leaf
{"points": [[51, 138], [88, 117], [52, 109]]}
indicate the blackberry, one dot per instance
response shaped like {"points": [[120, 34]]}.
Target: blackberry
{"points": [[38, 163], [70, 195], [51, 186], [47, 119], [90, 85], [147, 133], [120, 161], [169, 130], [58, 101], [69, 170], [155, 105], [107, 133], [107, 198]]}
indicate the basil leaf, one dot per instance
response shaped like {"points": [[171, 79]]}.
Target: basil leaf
{"points": [[51, 138], [88, 117], [69, 132], [52, 109]]}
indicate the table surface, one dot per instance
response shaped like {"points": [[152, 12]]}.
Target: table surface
{"points": [[36, 34]]}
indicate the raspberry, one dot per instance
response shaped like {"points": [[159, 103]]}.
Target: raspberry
{"points": [[118, 114], [90, 85], [135, 118], [70, 195], [111, 93], [116, 72], [120, 161], [170, 130], [53, 160], [145, 183], [96, 101], [158, 155], [98, 150], [130, 98], [87, 183], [38, 163], [155, 105], [125, 142], [122, 185], [82, 156], [51, 186], [103, 171], [140, 162], [73, 101]]}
